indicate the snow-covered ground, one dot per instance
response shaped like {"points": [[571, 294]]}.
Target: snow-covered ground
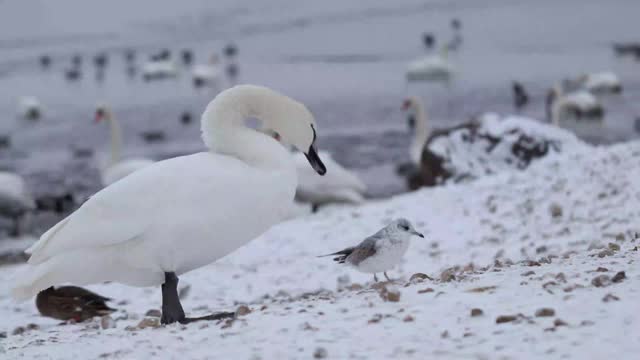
{"points": [[548, 241]]}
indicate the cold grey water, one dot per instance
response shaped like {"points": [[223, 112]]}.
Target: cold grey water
{"points": [[345, 59]]}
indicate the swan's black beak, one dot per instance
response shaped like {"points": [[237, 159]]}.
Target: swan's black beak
{"points": [[314, 160]]}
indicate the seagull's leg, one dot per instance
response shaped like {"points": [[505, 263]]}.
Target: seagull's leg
{"points": [[387, 277], [171, 307], [375, 278]]}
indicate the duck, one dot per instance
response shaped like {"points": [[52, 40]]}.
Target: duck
{"points": [[456, 39], [16, 201], [568, 107], [29, 108], [429, 40], [339, 186], [45, 61], [485, 145], [221, 199], [187, 57], [159, 69], [117, 168], [231, 50], [520, 96], [206, 74], [71, 303], [433, 68]]}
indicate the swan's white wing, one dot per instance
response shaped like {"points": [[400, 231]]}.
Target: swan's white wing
{"points": [[116, 214]]}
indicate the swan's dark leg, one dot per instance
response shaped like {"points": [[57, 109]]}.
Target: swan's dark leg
{"points": [[387, 277], [172, 309]]}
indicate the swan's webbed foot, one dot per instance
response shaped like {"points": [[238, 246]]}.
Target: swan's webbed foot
{"points": [[214, 316]]}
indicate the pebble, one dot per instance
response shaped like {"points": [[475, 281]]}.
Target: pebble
{"points": [[408, 318], [614, 247], [18, 331], [320, 353], [476, 312], [153, 313], [107, 322], [610, 297], [618, 277], [601, 281], [545, 312], [505, 319], [242, 310], [559, 322], [419, 277], [149, 323], [424, 291]]}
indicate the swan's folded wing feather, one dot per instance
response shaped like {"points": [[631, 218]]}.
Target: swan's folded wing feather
{"points": [[101, 221]]}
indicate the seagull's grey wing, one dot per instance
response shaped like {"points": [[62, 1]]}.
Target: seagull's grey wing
{"points": [[364, 250]]}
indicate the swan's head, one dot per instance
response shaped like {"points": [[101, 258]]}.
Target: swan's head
{"points": [[102, 113], [410, 105], [289, 119]]}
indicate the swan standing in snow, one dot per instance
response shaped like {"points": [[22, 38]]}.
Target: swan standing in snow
{"points": [[182, 213], [116, 167], [29, 108], [207, 74], [15, 199]]}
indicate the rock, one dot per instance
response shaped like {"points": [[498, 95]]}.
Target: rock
{"points": [[602, 269], [618, 277], [242, 310], [614, 247], [545, 312], [389, 293], [605, 253], [505, 319], [444, 334], [559, 322], [18, 331], [419, 277], [528, 273], [610, 297], [153, 313], [320, 353], [541, 249], [107, 322], [408, 318], [33, 326], [555, 210], [149, 323], [448, 275], [375, 319], [482, 289], [601, 281], [424, 291], [3, 334], [354, 287], [476, 312]]}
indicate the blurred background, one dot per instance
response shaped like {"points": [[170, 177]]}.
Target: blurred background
{"points": [[154, 65]]}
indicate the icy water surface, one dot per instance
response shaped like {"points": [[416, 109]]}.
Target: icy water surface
{"points": [[345, 59]]}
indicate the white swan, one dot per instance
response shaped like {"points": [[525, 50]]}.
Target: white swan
{"points": [[600, 83], [436, 68], [29, 108], [573, 108], [116, 168], [421, 131], [15, 199], [159, 69], [338, 186], [207, 74], [182, 213]]}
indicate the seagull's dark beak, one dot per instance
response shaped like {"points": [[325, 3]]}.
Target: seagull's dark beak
{"points": [[418, 234], [314, 160]]}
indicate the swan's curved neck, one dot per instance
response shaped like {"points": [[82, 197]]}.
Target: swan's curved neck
{"points": [[422, 132], [116, 140], [224, 131]]}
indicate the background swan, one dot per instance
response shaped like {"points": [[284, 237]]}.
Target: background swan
{"points": [[15, 200], [600, 83], [431, 68], [159, 69], [207, 74], [116, 168], [339, 185], [29, 108], [483, 146], [572, 108], [180, 214]]}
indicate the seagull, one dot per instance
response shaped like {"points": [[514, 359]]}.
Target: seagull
{"points": [[381, 251]]}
